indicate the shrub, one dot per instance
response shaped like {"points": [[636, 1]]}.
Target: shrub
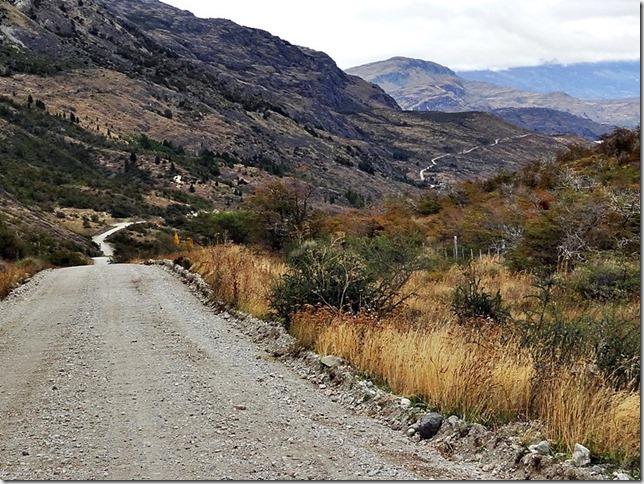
{"points": [[617, 347], [237, 226], [471, 303], [321, 273], [621, 143], [606, 281], [537, 248], [357, 275], [429, 204]]}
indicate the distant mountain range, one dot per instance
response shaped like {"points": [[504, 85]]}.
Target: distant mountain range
{"points": [[588, 80], [427, 86]]}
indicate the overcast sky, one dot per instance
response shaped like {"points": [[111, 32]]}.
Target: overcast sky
{"points": [[459, 34]]}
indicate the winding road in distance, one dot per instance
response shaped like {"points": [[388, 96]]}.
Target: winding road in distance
{"points": [[464, 152], [105, 247]]}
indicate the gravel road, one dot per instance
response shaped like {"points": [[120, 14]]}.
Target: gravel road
{"points": [[118, 372]]}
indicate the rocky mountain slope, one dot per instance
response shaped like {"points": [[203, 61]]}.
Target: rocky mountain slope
{"points": [[551, 121], [422, 85], [223, 87]]}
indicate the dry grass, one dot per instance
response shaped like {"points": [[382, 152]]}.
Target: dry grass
{"points": [[446, 366], [239, 277], [423, 352], [578, 408], [481, 379], [430, 306], [13, 274]]}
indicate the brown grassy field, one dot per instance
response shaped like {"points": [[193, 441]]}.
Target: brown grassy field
{"points": [[239, 277]]}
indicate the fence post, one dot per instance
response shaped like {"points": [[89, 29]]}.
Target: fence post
{"points": [[456, 247]]}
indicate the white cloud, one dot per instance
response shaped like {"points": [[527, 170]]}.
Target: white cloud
{"points": [[461, 34]]}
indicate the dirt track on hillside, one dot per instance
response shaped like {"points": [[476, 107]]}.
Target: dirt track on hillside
{"points": [[119, 372]]}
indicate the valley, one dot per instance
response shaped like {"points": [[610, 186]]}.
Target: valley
{"points": [[224, 257]]}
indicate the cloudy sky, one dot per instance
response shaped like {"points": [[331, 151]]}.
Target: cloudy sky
{"points": [[460, 34]]}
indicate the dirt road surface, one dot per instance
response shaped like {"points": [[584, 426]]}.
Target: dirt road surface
{"points": [[118, 372]]}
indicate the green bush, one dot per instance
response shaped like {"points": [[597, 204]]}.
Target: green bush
{"points": [[361, 274], [617, 344], [557, 341], [606, 281], [470, 302], [537, 249], [237, 226]]}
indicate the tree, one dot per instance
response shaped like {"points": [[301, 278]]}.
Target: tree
{"points": [[176, 240], [284, 210], [30, 100]]}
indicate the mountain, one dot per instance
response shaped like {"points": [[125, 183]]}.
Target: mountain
{"points": [[141, 66], [423, 85], [587, 80], [136, 108]]}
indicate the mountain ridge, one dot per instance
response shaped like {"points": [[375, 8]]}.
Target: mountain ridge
{"points": [[146, 110], [264, 96], [420, 85]]}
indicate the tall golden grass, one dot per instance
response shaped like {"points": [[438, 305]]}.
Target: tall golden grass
{"points": [[422, 352], [238, 276], [446, 366], [13, 274]]}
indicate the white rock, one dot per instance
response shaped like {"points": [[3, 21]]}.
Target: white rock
{"points": [[411, 432], [621, 476], [580, 456], [405, 402], [542, 448], [331, 361]]}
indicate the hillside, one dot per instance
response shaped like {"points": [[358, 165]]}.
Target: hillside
{"points": [[135, 108], [551, 121], [427, 86]]}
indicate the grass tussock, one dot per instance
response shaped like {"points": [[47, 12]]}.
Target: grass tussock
{"points": [[582, 408], [238, 276]]}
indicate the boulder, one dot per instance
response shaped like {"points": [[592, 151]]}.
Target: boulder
{"points": [[429, 425], [331, 361], [621, 476], [580, 456], [542, 448]]}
